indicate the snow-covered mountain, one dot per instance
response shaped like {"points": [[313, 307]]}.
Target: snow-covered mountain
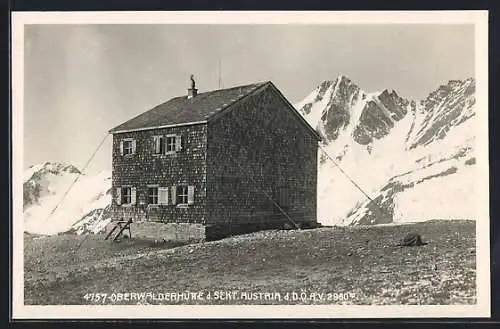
{"points": [[81, 209], [414, 159]]}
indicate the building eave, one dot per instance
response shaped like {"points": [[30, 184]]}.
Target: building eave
{"points": [[118, 131]]}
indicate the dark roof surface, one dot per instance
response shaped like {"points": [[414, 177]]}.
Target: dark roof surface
{"points": [[181, 110]]}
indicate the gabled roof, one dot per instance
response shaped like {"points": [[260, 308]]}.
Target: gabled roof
{"points": [[181, 111]]}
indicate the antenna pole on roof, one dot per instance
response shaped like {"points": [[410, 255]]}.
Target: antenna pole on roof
{"points": [[220, 74]]}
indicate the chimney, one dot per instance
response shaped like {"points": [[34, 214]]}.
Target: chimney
{"points": [[192, 92]]}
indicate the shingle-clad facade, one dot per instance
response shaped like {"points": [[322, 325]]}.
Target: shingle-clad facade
{"points": [[234, 160]]}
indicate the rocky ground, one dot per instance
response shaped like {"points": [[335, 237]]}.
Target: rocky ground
{"points": [[329, 265]]}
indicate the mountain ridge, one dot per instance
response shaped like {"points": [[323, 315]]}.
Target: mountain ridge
{"points": [[414, 158], [388, 134]]}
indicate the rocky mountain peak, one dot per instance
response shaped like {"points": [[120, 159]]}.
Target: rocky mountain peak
{"points": [[410, 145], [52, 185], [49, 167], [446, 107], [341, 106]]}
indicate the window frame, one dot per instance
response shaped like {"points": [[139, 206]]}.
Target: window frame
{"points": [[173, 138], [123, 195], [182, 196], [149, 188], [125, 141]]}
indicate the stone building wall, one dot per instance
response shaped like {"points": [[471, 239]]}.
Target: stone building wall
{"points": [[258, 152], [245, 165], [188, 166]]}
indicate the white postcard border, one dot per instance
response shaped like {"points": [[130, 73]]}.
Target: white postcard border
{"points": [[478, 18]]}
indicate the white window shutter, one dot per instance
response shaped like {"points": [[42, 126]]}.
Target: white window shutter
{"points": [[134, 146], [178, 143], [157, 141], [133, 195], [163, 195], [173, 193], [121, 147], [190, 194], [118, 196]]}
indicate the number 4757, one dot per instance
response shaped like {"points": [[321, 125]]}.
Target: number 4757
{"points": [[95, 297]]}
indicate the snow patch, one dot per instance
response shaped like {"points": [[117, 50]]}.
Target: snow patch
{"points": [[449, 197], [390, 158], [87, 194]]}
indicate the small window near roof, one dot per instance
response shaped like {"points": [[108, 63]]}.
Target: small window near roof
{"points": [[127, 146], [173, 143], [170, 145]]}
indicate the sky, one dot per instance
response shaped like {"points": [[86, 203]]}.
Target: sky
{"points": [[82, 80]]}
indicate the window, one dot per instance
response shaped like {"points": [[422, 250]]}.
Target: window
{"points": [[157, 195], [125, 195], [153, 195], [182, 194], [171, 143], [167, 144], [127, 146]]}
